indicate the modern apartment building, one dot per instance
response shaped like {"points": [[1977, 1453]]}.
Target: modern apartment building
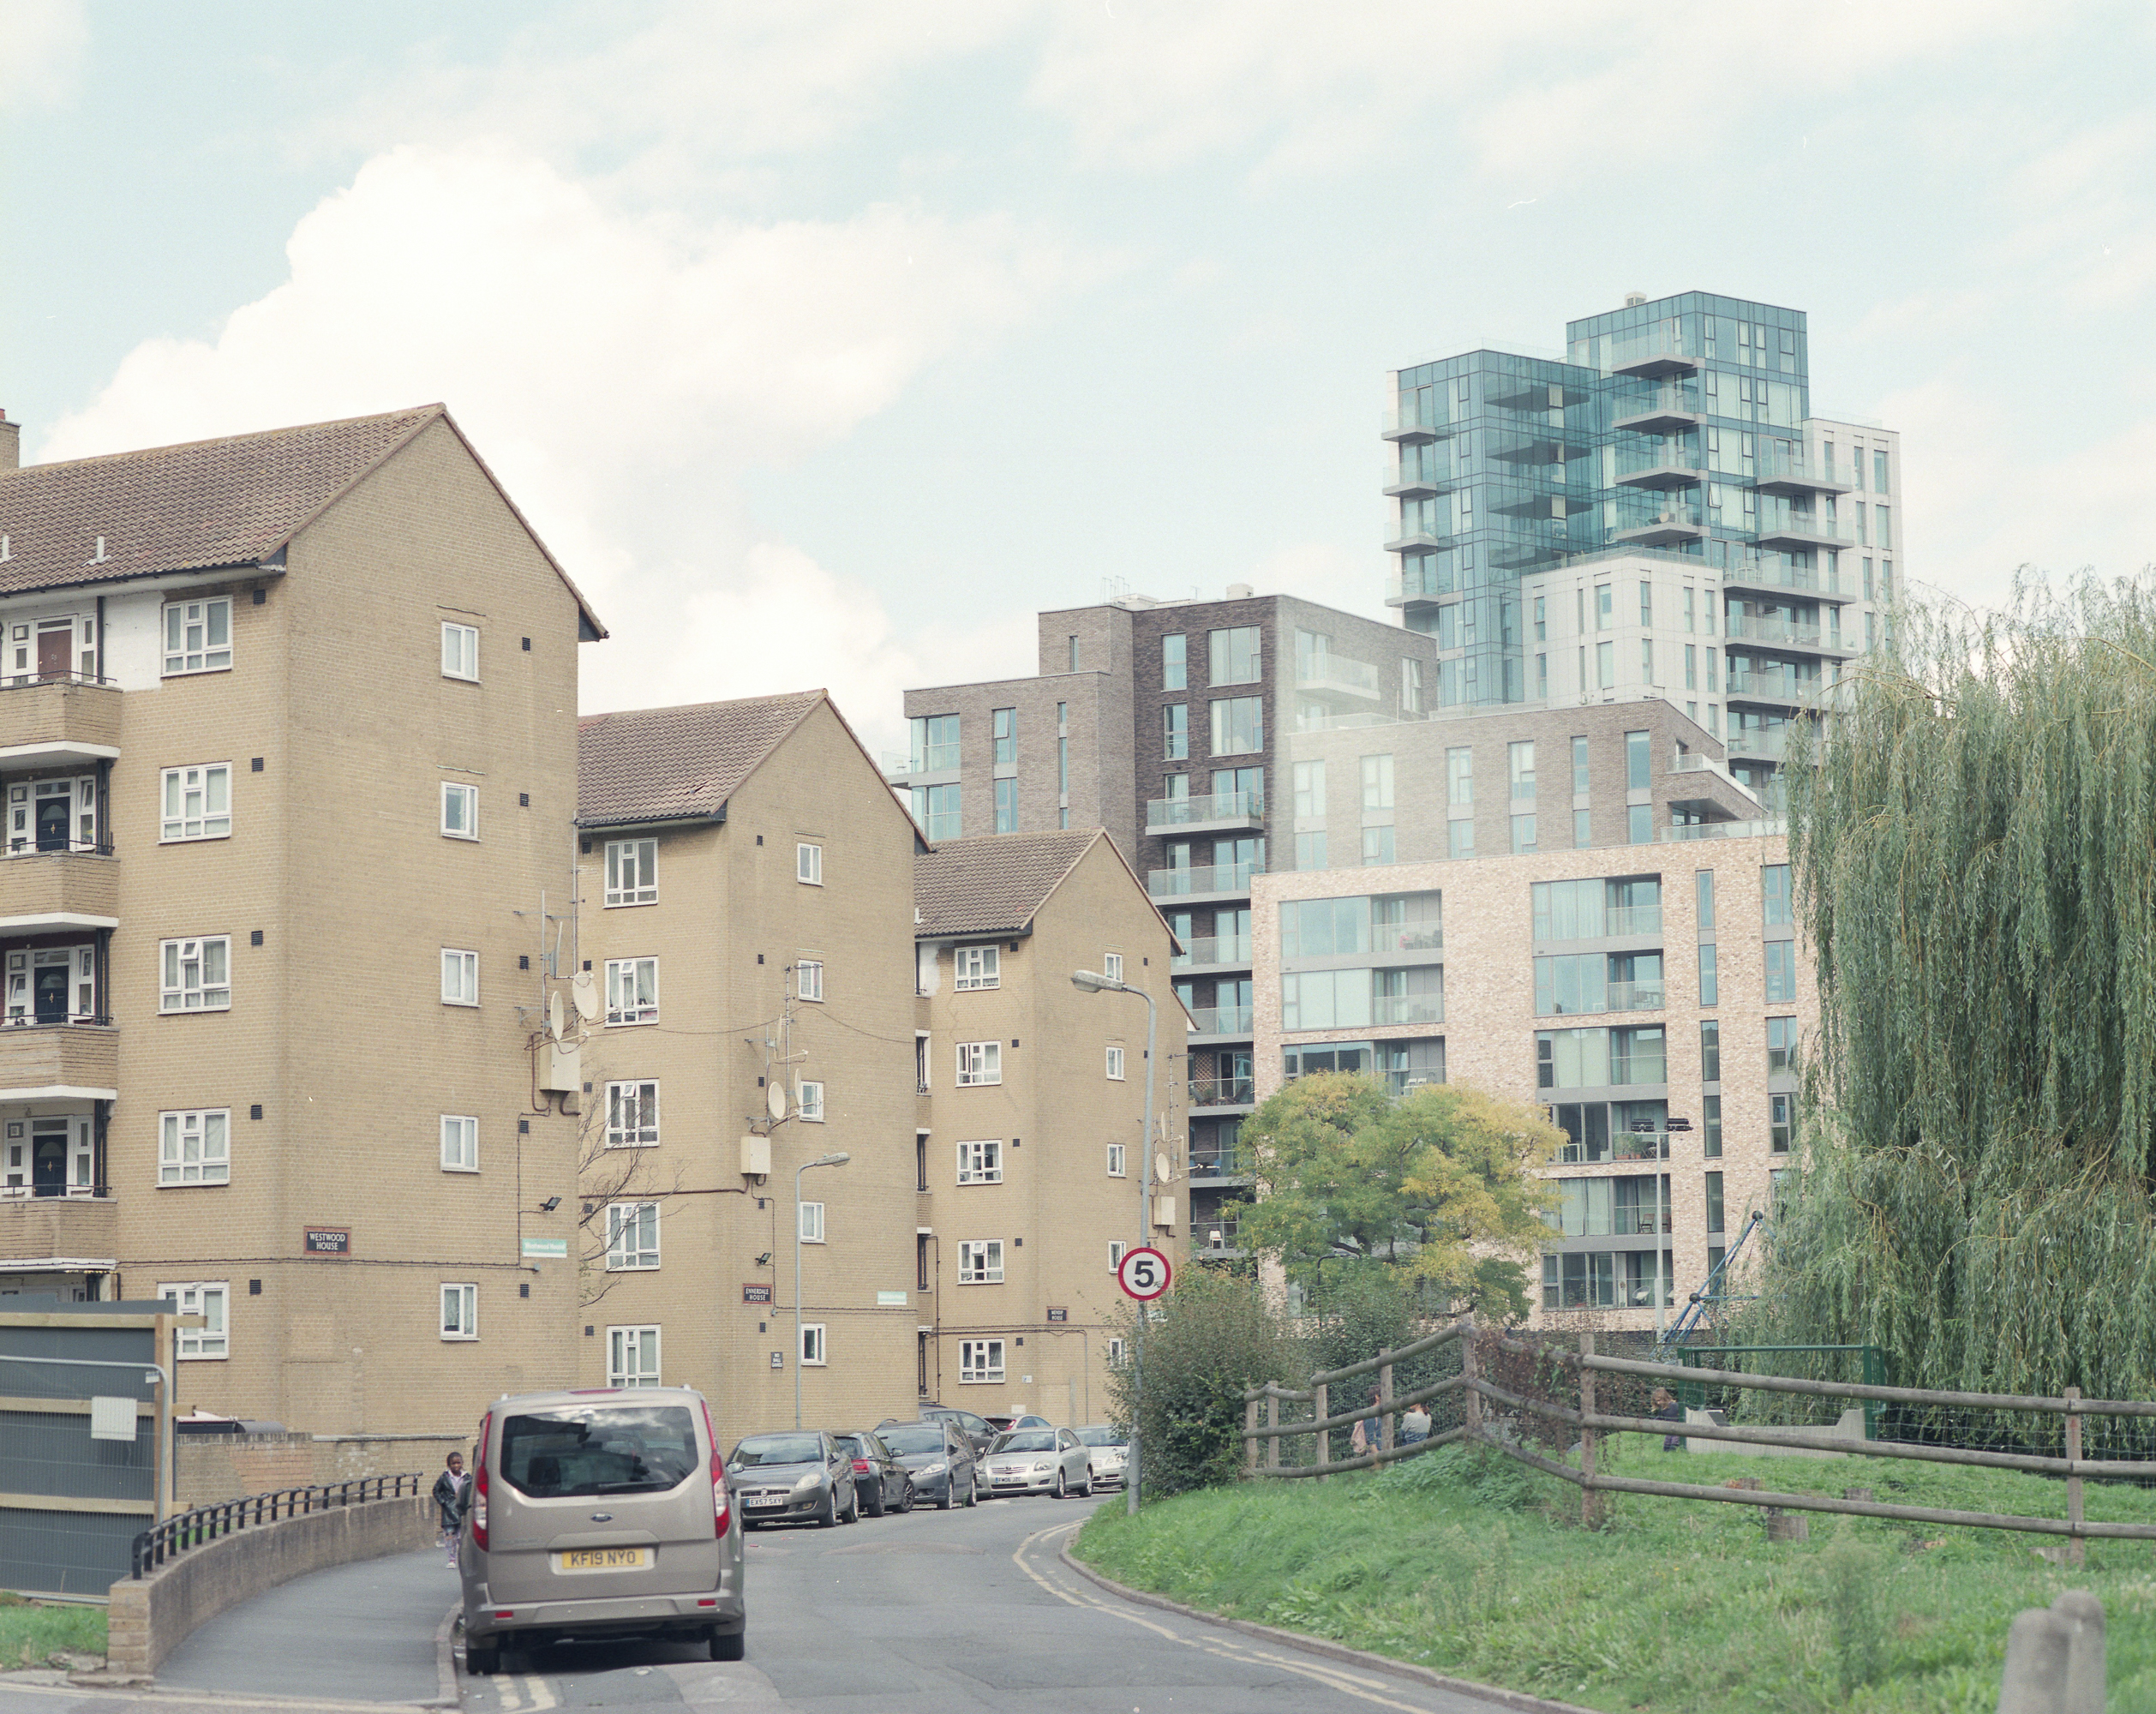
{"points": [[1662, 512], [288, 747], [1030, 1147], [1166, 722], [746, 917]]}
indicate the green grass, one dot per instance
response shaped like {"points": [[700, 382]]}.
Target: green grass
{"points": [[1465, 1562], [29, 1631]]}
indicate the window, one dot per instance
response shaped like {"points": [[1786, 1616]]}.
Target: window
{"points": [[811, 1222], [194, 1148], [1646, 602], [808, 865], [1710, 982], [1774, 895], [198, 803], [1006, 805], [980, 1362], [1582, 829], [1579, 764], [459, 1142], [1115, 1064], [1782, 1046], [1234, 656], [632, 991], [1691, 666], [1603, 607], [633, 872], [979, 1062], [1782, 972], [460, 650], [1703, 886], [1174, 731], [935, 747], [460, 1312], [1710, 1052], [813, 1345], [1309, 850], [1115, 1353], [209, 1299], [938, 811], [1004, 725], [808, 979], [1639, 824], [1460, 777], [52, 815], [1412, 684], [197, 975], [1523, 834], [1115, 1249], [1606, 666], [1460, 838], [632, 1114], [1638, 761], [980, 1163], [1377, 845], [1116, 1157], [632, 1356], [1112, 966], [980, 1262], [1714, 1202], [1310, 788], [1711, 1126], [1238, 725], [632, 1237], [1878, 469], [810, 1097], [459, 811], [1542, 619], [1779, 1110], [976, 967], [1175, 671], [198, 636], [1377, 782]]}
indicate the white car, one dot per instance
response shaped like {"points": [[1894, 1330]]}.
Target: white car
{"points": [[1051, 1461], [1107, 1449]]}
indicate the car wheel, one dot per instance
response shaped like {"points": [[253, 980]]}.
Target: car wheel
{"points": [[1061, 1490], [906, 1496], [481, 1660], [853, 1507], [827, 1518], [973, 1490], [1086, 1493], [875, 1499], [944, 1500], [730, 1646]]}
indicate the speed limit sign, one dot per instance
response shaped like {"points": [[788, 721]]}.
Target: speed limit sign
{"points": [[1143, 1273]]}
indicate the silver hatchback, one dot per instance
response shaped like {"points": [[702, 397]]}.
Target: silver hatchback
{"points": [[597, 1513]]}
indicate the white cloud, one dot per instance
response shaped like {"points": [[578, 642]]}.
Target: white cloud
{"points": [[40, 43]]}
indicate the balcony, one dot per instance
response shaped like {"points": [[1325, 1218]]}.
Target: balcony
{"points": [[1387, 938], [1758, 573], [1641, 1145], [1784, 690], [1786, 633], [1623, 919], [1766, 827], [1769, 746], [80, 1057], [1426, 424], [1339, 673], [1231, 1022], [65, 888], [1666, 410], [1799, 531], [1407, 483], [1214, 1093], [1401, 534], [1664, 527], [1795, 474], [1397, 1009], [1214, 881], [1214, 1237], [1219, 1163], [1654, 356], [1228, 951], [64, 722], [1223, 812], [1634, 996], [1660, 468], [62, 1229]]}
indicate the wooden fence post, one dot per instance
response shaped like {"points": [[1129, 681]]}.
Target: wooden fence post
{"points": [[1249, 1434], [1272, 1421], [1471, 1372], [1324, 1436], [1385, 1409], [2076, 1546], [1591, 1502]]}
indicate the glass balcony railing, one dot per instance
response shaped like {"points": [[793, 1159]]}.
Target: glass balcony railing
{"points": [[1223, 1092], [1219, 806], [1407, 938], [1669, 406], [1767, 746], [1663, 465], [1770, 572], [1223, 878], [1793, 632], [1634, 996], [1774, 687], [1663, 350], [1218, 1163], [1221, 1020], [1795, 469], [1638, 1145], [1391, 1009], [1421, 422], [1632, 920], [1339, 671], [1806, 530], [1665, 522], [1214, 949]]}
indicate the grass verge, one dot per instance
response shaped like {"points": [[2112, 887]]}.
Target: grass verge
{"points": [[31, 1631], [1465, 1562]]}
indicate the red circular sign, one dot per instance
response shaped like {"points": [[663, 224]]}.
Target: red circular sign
{"points": [[1144, 1273]]}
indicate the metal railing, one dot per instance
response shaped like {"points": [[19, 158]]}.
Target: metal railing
{"points": [[1219, 806], [1204, 1233], [1633, 1145], [1223, 1092], [206, 1523], [55, 1193], [1219, 1163], [31, 680], [1221, 1020], [29, 845], [1221, 877]]}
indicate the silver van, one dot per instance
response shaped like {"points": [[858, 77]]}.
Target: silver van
{"points": [[599, 1513]]}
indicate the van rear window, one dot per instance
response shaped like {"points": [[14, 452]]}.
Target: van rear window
{"points": [[577, 1449]]}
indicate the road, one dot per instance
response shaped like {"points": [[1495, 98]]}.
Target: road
{"points": [[935, 1613]]}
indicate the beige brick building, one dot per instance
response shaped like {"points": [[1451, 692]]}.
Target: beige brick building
{"points": [[1031, 1115], [288, 747]]}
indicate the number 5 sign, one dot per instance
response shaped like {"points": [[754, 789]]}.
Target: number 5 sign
{"points": [[1143, 1273]]}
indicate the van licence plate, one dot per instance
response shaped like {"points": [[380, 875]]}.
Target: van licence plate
{"points": [[602, 1559]]}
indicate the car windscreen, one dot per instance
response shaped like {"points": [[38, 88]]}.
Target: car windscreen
{"points": [[1102, 1437], [916, 1438], [778, 1449], [1027, 1440], [574, 1449], [850, 1445]]}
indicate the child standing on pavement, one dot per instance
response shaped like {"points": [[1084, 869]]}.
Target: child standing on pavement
{"points": [[449, 1502]]}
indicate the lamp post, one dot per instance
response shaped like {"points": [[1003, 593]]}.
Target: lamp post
{"points": [[840, 1158], [1093, 983]]}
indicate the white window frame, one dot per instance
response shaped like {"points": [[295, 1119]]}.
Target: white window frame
{"points": [[193, 1298], [459, 976], [460, 652], [177, 957], [976, 967], [815, 1346], [631, 873], [211, 1162], [811, 1219], [178, 827], [1119, 1160], [183, 659], [808, 864], [981, 1063], [22, 967], [808, 980], [980, 1261], [624, 979], [981, 1163], [469, 796], [460, 1311], [1112, 966], [459, 1142], [26, 797], [625, 1252], [980, 1363], [1116, 1248], [627, 1346], [641, 1098], [1115, 1064], [1115, 1353], [809, 1099]]}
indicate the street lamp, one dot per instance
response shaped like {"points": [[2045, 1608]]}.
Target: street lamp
{"points": [[840, 1158], [1091, 982]]}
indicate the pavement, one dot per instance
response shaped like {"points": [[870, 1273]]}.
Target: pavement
{"points": [[931, 1612]]}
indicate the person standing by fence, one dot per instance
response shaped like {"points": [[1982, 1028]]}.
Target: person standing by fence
{"points": [[449, 1502], [1415, 1425], [1667, 1410]]}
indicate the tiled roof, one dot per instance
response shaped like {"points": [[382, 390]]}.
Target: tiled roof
{"points": [[669, 763], [993, 885]]}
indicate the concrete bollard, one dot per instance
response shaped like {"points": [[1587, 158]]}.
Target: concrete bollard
{"points": [[2084, 1666], [2038, 1648]]}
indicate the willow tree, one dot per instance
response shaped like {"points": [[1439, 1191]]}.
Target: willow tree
{"points": [[1974, 844]]}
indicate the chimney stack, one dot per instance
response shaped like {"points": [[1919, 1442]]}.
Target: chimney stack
{"points": [[10, 444]]}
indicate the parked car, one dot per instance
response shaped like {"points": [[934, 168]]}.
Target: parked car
{"points": [[1051, 1461], [600, 1515], [797, 1477], [1108, 1450], [937, 1456], [1003, 1425], [881, 1481], [976, 1429]]}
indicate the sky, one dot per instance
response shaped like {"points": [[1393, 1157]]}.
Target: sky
{"points": [[827, 341]]}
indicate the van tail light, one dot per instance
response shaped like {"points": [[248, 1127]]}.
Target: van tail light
{"points": [[479, 1484], [721, 1509]]}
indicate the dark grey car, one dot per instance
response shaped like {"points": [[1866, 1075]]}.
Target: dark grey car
{"points": [[800, 1476], [938, 1457], [883, 1482]]}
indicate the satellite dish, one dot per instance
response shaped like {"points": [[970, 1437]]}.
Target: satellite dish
{"points": [[774, 1099], [554, 1014], [586, 992], [1160, 1170]]}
